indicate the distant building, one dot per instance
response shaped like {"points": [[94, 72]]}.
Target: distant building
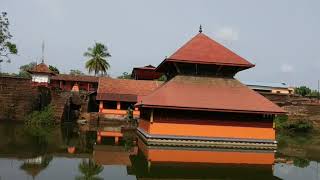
{"points": [[115, 96], [276, 88], [145, 73], [41, 75], [67, 82]]}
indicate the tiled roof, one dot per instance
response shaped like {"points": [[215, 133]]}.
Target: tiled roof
{"points": [[209, 94], [145, 73], [78, 78], [41, 68], [204, 50], [124, 89]]}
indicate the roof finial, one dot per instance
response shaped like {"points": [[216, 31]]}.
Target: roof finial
{"points": [[200, 29], [42, 58]]}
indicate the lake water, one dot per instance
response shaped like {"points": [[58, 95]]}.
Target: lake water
{"points": [[73, 152]]}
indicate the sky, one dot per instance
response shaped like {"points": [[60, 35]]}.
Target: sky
{"points": [[281, 37]]}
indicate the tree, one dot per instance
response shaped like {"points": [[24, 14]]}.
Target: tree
{"points": [[302, 90], [89, 170], [6, 46], [125, 75], [54, 69], [76, 72], [97, 61], [25, 68]]}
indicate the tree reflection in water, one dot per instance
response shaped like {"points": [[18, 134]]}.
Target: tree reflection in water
{"points": [[89, 170]]}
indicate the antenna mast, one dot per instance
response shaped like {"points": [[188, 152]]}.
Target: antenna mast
{"points": [[42, 58]]}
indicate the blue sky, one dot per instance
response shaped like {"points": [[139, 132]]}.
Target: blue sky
{"points": [[280, 37]]}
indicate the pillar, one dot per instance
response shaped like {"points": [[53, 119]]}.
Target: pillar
{"points": [[116, 140], [98, 138], [101, 106], [88, 89], [118, 105], [151, 116], [60, 85]]}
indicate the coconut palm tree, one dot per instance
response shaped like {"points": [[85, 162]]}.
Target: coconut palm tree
{"points": [[97, 61], [89, 170]]}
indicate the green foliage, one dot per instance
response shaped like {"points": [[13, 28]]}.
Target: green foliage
{"points": [[41, 118], [163, 78], [89, 170], [302, 163], [8, 74], [129, 113], [76, 72], [300, 125], [97, 61], [303, 90], [125, 75], [54, 69], [25, 68], [280, 120], [6, 46], [39, 125]]}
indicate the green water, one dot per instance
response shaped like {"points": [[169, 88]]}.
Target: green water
{"points": [[25, 156]]}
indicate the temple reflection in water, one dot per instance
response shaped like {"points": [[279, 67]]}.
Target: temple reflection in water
{"points": [[169, 162]]}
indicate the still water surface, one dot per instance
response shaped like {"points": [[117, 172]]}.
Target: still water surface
{"points": [[73, 152]]}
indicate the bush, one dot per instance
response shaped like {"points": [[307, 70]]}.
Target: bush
{"points": [[41, 118], [301, 125], [298, 125]]}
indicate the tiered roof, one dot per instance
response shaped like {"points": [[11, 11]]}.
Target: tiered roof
{"points": [[124, 89], [203, 50], [211, 93]]}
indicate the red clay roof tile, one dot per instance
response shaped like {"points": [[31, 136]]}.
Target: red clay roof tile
{"points": [[209, 94], [41, 68], [124, 89], [204, 50]]}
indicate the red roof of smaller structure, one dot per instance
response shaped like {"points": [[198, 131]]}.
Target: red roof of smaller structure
{"points": [[78, 78], [208, 94], [41, 68], [124, 89], [204, 50], [145, 73]]}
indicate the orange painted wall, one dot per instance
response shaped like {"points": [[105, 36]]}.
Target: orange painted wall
{"points": [[119, 112], [219, 157], [210, 129]]}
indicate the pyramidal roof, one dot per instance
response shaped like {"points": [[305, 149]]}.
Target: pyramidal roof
{"points": [[204, 50]]}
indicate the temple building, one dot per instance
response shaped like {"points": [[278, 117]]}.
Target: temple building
{"points": [[202, 104], [115, 96], [145, 73], [40, 75]]}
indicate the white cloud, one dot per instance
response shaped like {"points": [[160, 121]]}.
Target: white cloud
{"points": [[227, 34], [287, 68]]}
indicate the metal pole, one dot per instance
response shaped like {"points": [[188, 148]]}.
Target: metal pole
{"points": [[318, 90]]}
